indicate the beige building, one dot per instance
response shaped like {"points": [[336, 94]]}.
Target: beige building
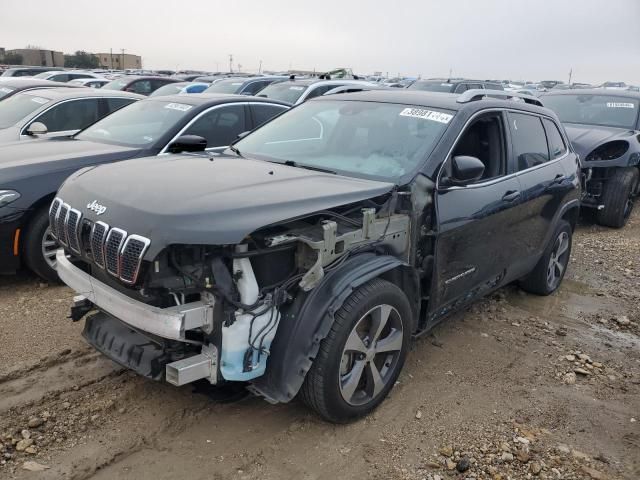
{"points": [[119, 61], [40, 58]]}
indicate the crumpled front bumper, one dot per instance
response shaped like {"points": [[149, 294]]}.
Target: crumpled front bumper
{"points": [[170, 323]]}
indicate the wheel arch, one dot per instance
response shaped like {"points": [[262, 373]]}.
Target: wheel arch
{"points": [[309, 319], [35, 207]]}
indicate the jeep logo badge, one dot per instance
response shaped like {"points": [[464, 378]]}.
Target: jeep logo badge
{"points": [[96, 207]]}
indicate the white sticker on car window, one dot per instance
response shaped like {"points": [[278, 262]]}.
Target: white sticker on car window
{"points": [[5, 90], [40, 100], [620, 105], [296, 88], [178, 106], [236, 83], [426, 115]]}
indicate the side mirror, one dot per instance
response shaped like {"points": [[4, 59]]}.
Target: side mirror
{"points": [[465, 169], [37, 128], [188, 143]]}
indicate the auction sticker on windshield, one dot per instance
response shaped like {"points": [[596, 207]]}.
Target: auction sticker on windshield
{"points": [[40, 100], [5, 90], [178, 106], [620, 105], [296, 88], [426, 115]]}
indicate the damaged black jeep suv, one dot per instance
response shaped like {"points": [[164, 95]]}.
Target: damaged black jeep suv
{"points": [[305, 259]]}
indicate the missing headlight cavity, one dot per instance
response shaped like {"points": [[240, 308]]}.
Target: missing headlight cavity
{"points": [[609, 151]]}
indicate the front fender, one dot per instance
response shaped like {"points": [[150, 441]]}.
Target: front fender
{"points": [[309, 319]]}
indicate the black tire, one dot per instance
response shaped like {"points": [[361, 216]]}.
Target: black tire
{"points": [[617, 197], [538, 281], [323, 390], [32, 246]]}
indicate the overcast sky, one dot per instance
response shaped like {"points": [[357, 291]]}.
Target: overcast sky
{"points": [[505, 39]]}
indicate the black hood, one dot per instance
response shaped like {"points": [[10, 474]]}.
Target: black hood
{"points": [[190, 199], [585, 138], [26, 159]]}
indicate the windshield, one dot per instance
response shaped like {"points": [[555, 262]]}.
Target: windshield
{"points": [[170, 89], [603, 110], [225, 86], [17, 107], [4, 91], [137, 125], [116, 85], [285, 92], [432, 86], [363, 139]]}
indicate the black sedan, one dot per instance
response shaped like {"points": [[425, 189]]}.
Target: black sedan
{"points": [[31, 172], [56, 112], [11, 86]]}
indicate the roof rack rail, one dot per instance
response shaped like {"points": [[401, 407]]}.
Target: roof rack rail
{"points": [[479, 94]]}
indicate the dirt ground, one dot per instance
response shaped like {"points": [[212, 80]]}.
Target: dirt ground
{"points": [[516, 387]]}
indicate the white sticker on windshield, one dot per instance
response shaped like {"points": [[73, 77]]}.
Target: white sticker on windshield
{"points": [[5, 90], [39, 100], [620, 105], [296, 88], [178, 106], [236, 83], [445, 84], [426, 115]]}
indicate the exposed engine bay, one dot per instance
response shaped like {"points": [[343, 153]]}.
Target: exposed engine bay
{"points": [[231, 298]]}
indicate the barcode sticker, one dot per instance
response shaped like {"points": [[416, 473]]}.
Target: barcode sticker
{"points": [[426, 115]]}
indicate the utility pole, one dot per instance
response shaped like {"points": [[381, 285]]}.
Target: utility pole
{"points": [[230, 63], [260, 67], [122, 63], [570, 74], [111, 59], [450, 72]]}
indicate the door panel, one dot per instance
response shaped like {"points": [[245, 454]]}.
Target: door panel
{"points": [[543, 183], [476, 239]]}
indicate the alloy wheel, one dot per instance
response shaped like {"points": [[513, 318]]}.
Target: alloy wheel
{"points": [[49, 248], [558, 261], [371, 355]]}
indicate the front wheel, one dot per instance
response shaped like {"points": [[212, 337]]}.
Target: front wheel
{"points": [[360, 359], [617, 197], [40, 247], [547, 276]]}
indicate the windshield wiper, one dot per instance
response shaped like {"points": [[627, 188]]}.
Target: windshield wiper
{"points": [[291, 163], [235, 150]]}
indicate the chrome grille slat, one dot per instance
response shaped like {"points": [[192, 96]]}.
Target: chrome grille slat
{"points": [[61, 219], [98, 234], [131, 257], [53, 212], [73, 229], [112, 246]]}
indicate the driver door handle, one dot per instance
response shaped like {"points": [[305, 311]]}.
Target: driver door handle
{"points": [[511, 195]]}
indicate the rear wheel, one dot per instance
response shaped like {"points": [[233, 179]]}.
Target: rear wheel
{"points": [[547, 276], [361, 357], [40, 247], [617, 197]]}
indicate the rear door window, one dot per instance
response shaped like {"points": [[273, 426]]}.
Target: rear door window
{"points": [[143, 87], [220, 126], [557, 147], [264, 113], [528, 140]]}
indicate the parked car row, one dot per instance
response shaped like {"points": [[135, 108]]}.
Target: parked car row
{"points": [[297, 239]]}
